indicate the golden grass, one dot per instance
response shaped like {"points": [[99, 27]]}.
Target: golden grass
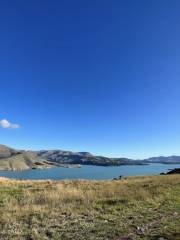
{"points": [[87, 205]]}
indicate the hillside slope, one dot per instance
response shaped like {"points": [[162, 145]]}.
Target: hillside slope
{"points": [[164, 160], [83, 158], [11, 159], [135, 208]]}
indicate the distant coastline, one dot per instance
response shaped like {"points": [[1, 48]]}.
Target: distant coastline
{"points": [[12, 159]]}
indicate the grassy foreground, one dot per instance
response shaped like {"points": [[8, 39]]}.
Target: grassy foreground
{"points": [[133, 208]]}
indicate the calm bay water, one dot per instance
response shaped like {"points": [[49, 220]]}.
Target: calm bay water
{"points": [[89, 172]]}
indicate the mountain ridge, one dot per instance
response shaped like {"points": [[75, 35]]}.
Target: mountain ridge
{"points": [[12, 159]]}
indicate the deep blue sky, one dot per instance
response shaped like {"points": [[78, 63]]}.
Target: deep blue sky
{"points": [[100, 76]]}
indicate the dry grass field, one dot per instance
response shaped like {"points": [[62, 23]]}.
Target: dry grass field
{"points": [[129, 209]]}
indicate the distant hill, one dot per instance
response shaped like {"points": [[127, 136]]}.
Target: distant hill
{"points": [[86, 158], [83, 158], [165, 160], [12, 159]]}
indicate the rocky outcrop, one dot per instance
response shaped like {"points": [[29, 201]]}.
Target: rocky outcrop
{"points": [[174, 171]]}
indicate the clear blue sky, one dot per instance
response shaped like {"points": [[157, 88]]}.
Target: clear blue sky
{"points": [[100, 76]]}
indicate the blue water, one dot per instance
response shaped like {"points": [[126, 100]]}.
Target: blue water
{"points": [[89, 172]]}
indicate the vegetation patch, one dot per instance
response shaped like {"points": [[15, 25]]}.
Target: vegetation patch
{"points": [[134, 208]]}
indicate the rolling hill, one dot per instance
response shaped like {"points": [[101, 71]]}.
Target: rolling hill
{"points": [[12, 159]]}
